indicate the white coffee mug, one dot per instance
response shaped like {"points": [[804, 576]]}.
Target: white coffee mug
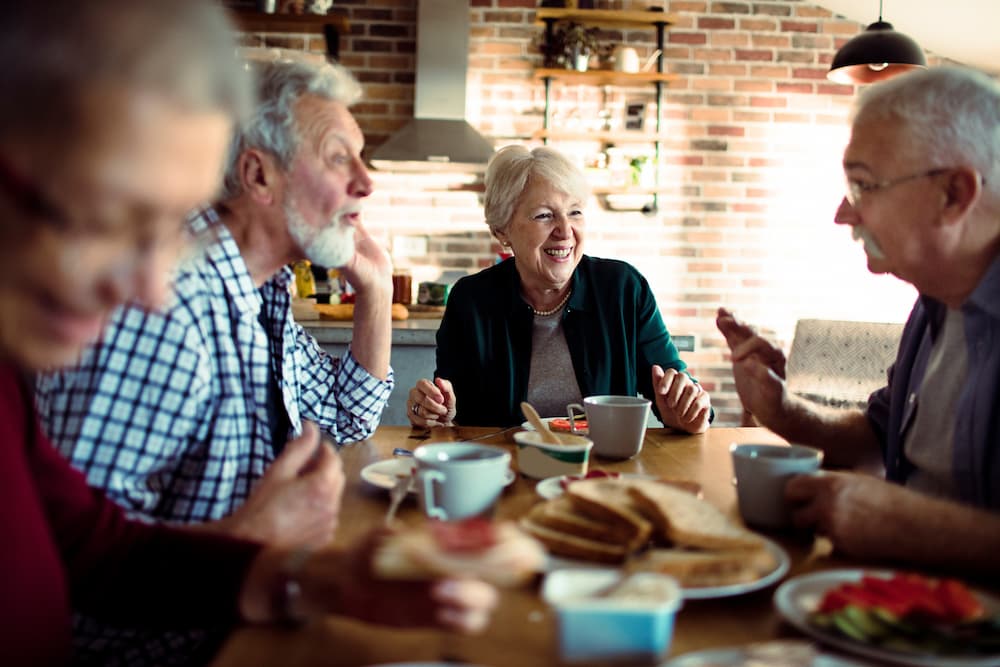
{"points": [[760, 473], [456, 480], [617, 424]]}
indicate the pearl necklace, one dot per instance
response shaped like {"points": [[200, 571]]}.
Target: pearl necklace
{"points": [[559, 306]]}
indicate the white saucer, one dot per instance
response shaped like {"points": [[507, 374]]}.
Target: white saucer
{"points": [[384, 474]]}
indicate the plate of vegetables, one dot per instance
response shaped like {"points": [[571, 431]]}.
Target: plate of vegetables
{"points": [[902, 618]]}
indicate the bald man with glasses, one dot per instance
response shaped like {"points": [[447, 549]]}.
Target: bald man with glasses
{"points": [[923, 196]]}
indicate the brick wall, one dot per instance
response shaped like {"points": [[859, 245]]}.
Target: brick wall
{"points": [[751, 165]]}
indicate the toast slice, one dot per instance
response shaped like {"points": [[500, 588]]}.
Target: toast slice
{"points": [[560, 514], [608, 500], [560, 543], [687, 520], [697, 569]]}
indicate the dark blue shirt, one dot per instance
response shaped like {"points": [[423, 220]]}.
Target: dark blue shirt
{"points": [[976, 457]]}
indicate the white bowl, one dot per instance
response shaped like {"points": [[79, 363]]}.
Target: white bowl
{"points": [[539, 459], [604, 628]]}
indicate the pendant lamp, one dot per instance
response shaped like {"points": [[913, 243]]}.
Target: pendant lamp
{"points": [[877, 54]]}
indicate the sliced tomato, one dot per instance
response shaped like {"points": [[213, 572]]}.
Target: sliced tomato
{"points": [[464, 536], [564, 425], [960, 601]]}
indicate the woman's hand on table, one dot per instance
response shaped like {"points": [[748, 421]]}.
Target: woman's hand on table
{"points": [[340, 581], [431, 403], [683, 404]]}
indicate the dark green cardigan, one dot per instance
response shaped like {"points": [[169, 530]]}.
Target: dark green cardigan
{"points": [[613, 329]]}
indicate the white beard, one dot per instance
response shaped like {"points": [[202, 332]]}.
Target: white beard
{"points": [[872, 248], [331, 246]]}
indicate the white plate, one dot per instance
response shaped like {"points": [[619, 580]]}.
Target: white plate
{"points": [[551, 487], [701, 592], [582, 431], [741, 656], [384, 474], [797, 598]]}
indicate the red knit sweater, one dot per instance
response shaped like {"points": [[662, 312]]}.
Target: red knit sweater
{"points": [[67, 546]]}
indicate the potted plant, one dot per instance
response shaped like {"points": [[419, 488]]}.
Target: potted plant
{"points": [[573, 44]]}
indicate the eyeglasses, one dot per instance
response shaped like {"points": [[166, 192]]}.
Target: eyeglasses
{"points": [[857, 189]]}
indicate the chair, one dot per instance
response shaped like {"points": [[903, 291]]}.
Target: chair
{"points": [[839, 363]]}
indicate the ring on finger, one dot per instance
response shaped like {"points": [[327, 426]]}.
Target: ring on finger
{"points": [[415, 409]]}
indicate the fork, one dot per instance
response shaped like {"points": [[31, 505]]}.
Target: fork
{"points": [[396, 495]]}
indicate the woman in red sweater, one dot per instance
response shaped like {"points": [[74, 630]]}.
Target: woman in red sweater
{"points": [[114, 120]]}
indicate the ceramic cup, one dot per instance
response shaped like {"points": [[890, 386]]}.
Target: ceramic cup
{"points": [[539, 459], [760, 473], [617, 424], [456, 480]]}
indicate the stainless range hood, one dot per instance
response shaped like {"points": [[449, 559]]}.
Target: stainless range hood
{"points": [[438, 138]]}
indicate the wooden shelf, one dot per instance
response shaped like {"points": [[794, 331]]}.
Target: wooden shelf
{"points": [[605, 136], [251, 21], [603, 77], [605, 17]]}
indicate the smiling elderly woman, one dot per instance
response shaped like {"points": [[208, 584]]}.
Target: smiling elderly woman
{"points": [[551, 325]]}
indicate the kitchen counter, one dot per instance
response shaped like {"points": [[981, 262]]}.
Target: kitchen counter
{"points": [[413, 356]]}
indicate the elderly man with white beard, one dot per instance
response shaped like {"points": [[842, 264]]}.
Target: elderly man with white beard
{"points": [[183, 415]]}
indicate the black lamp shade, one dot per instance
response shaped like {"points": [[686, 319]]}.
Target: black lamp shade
{"points": [[877, 54]]}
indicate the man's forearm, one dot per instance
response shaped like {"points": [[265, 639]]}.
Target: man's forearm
{"points": [[372, 336], [845, 436]]}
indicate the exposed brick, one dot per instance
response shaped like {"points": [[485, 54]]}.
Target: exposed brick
{"points": [[849, 28], [770, 72], [712, 83], [730, 8], [687, 38], [687, 68], [834, 89], [758, 25], [713, 54], [729, 70], [525, 4], [727, 130], [744, 116], [359, 15], [371, 45], [809, 73], [800, 118], [503, 17], [713, 23], [794, 88], [816, 42], [734, 39], [754, 87], [811, 11], [727, 100], [388, 30], [795, 57], [709, 145], [771, 41], [687, 6], [772, 9], [799, 26], [754, 54], [759, 101]]}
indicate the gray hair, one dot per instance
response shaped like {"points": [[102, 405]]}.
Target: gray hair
{"points": [[272, 127], [55, 52], [509, 171], [951, 115]]}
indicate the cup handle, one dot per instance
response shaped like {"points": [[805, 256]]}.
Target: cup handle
{"points": [[570, 407], [427, 478]]}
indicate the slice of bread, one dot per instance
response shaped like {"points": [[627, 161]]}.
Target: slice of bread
{"points": [[608, 500], [560, 514], [687, 520], [561, 543], [696, 569]]}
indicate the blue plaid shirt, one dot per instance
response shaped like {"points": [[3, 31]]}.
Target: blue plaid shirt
{"points": [[168, 412]]}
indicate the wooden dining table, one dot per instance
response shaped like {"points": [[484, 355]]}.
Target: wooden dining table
{"points": [[523, 630]]}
